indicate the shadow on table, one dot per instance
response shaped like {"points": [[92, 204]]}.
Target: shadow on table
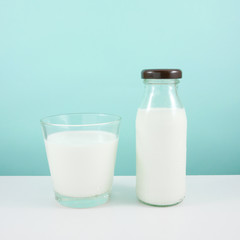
{"points": [[123, 194]]}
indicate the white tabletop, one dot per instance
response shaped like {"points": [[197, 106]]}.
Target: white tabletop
{"points": [[211, 210]]}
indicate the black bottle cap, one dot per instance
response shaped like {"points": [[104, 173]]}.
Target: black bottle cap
{"points": [[161, 73]]}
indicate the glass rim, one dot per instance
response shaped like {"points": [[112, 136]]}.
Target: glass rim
{"points": [[43, 121]]}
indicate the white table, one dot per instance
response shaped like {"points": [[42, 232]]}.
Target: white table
{"points": [[211, 210]]}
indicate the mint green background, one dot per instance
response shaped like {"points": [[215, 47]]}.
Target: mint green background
{"points": [[86, 56]]}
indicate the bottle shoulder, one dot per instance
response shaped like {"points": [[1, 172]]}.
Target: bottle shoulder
{"points": [[161, 114]]}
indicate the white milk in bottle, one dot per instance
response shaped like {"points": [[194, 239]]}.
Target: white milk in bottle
{"points": [[161, 128]]}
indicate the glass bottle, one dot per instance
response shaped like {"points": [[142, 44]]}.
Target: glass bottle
{"points": [[161, 132]]}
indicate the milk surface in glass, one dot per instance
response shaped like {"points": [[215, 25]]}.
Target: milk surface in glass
{"points": [[161, 155], [82, 162]]}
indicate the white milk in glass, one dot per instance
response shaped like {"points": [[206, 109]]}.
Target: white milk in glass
{"points": [[161, 155], [82, 162]]}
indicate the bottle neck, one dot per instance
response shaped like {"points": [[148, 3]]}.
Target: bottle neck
{"points": [[161, 93]]}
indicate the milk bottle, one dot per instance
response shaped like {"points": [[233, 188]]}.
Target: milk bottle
{"points": [[161, 127]]}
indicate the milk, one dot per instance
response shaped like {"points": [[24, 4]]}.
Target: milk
{"points": [[161, 155], [81, 162]]}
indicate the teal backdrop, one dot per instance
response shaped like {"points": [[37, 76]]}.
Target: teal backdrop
{"points": [[86, 56]]}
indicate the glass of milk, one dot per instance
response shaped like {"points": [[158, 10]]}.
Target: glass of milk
{"points": [[161, 128], [81, 151]]}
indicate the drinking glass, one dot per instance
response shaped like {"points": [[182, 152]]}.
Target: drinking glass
{"points": [[81, 149]]}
